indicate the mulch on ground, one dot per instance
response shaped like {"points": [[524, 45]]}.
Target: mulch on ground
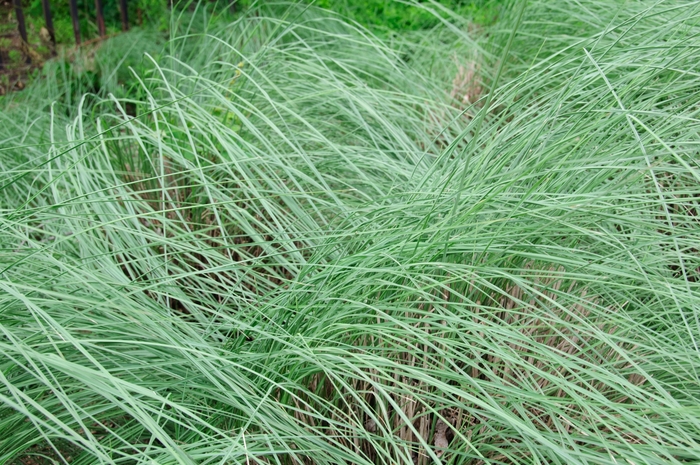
{"points": [[17, 61]]}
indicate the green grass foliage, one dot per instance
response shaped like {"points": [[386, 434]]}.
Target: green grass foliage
{"points": [[395, 15], [294, 242]]}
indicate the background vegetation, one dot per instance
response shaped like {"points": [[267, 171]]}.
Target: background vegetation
{"points": [[287, 238]]}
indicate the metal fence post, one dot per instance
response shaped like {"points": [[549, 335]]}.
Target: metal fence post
{"points": [[100, 18], [49, 24], [74, 17], [125, 15], [22, 28]]}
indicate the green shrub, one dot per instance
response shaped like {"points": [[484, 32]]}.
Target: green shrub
{"points": [[402, 16]]}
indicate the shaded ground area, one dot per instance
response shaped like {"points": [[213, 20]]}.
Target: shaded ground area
{"points": [[17, 62]]}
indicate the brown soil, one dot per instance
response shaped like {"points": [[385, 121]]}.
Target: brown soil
{"points": [[17, 60]]}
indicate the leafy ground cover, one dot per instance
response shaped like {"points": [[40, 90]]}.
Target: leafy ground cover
{"points": [[296, 242]]}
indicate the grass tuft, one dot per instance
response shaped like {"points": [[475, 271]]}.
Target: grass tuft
{"points": [[295, 242]]}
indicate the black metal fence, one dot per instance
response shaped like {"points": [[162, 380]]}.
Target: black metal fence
{"points": [[48, 36], [21, 25]]}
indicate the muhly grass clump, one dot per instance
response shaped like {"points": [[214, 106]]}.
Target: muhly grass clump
{"points": [[298, 243]]}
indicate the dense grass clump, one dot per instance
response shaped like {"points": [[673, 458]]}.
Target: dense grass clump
{"points": [[294, 242]]}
